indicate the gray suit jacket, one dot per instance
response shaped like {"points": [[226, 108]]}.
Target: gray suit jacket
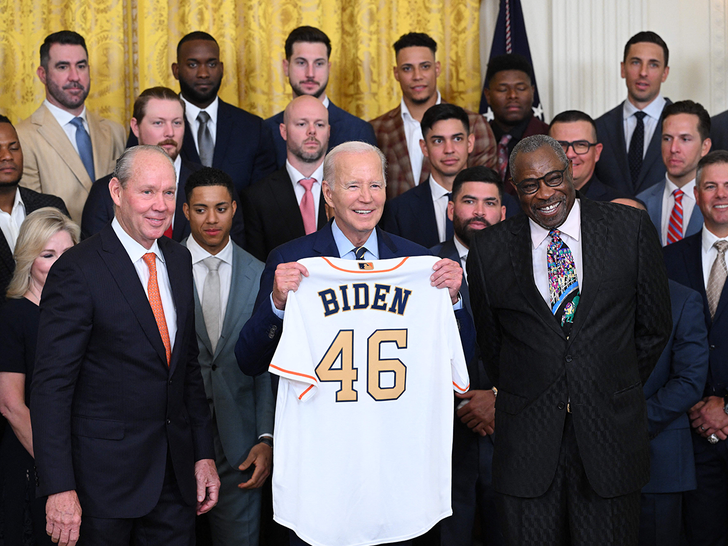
{"points": [[652, 198], [243, 406]]}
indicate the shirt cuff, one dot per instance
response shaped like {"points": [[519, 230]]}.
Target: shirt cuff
{"points": [[277, 312]]}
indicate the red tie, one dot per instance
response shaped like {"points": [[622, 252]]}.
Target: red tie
{"points": [[503, 155], [675, 226], [156, 302], [308, 210]]}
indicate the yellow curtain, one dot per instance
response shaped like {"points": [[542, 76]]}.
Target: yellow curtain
{"points": [[132, 44]]}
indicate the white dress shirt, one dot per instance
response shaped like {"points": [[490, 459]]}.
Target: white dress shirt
{"points": [[668, 203], [135, 251], [651, 120], [439, 201], [64, 120], [413, 135], [191, 112], [571, 235], [10, 223], [708, 253], [463, 253], [295, 175], [199, 271]]}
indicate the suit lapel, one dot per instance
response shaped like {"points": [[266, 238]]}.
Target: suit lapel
{"points": [[324, 245], [615, 134], [426, 207], [189, 151], [287, 204], [173, 264], [241, 282], [403, 154], [200, 325], [5, 255], [224, 128], [56, 137], [653, 154], [654, 207]]}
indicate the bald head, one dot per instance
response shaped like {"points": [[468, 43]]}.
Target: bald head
{"points": [[305, 129], [629, 202]]}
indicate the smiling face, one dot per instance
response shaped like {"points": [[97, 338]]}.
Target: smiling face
{"points": [[582, 165], [417, 73], [11, 156], [52, 250], [163, 125], [644, 71], [510, 95], [66, 77], [199, 71], [682, 147], [210, 213], [308, 69], [476, 206], [548, 207], [711, 195]]}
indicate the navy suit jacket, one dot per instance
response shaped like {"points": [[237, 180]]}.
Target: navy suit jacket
{"points": [[675, 385], [652, 198], [613, 165], [108, 412], [719, 131], [260, 335], [99, 209], [344, 128], [684, 265], [412, 216], [596, 190]]}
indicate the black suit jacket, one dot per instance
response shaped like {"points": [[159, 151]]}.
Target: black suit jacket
{"points": [[596, 190], [412, 216], [719, 131], [272, 214], [108, 413], [32, 201], [622, 323], [99, 209], [613, 165]]}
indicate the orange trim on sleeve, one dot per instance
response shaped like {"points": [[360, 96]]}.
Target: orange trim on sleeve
{"points": [[466, 389], [304, 392], [295, 373], [365, 270]]}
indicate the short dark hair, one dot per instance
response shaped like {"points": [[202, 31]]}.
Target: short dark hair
{"points": [[477, 174], [713, 158], [415, 39], [195, 35], [690, 107], [649, 37], [509, 61], [62, 37], [209, 176], [572, 116], [307, 34], [5, 119], [443, 111], [161, 93]]}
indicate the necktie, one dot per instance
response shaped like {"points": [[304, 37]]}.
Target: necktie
{"points": [[85, 150], [716, 279], [503, 155], [359, 252], [204, 139], [156, 302], [211, 299], [637, 148], [308, 209], [563, 284], [675, 226], [449, 232]]}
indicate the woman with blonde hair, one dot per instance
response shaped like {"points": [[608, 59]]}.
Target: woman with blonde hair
{"points": [[44, 235]]}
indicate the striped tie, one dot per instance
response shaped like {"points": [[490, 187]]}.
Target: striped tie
{"points": [[675, 227], [359, 252]]}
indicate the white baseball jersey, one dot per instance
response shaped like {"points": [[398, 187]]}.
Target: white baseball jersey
{"points": [[368, 359]]}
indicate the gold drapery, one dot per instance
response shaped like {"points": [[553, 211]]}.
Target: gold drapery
{"points": [[132, 44]]}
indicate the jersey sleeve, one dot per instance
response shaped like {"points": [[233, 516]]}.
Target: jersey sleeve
{"points": [[460, 377]]}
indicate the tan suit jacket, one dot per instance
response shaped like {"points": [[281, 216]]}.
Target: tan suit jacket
{"points": [[51, 163]]}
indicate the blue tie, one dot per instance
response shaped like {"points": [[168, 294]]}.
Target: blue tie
{"points": [[83, 141]]}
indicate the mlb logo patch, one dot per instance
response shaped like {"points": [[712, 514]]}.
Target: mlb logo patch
{"points": [[366, 266]]}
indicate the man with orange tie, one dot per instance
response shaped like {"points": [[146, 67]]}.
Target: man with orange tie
{"points": [[122, 434], [288, 203]]}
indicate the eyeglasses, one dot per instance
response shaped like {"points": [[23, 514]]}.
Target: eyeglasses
{"points": [[580, 146], [531, 185]]}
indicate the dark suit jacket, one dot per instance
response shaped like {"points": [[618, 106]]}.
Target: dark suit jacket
{"points": [[345, 127], [99, 209], [32, 201], [719, 131], [684, 265], [244, 146], [596, 190], [534, 127], [272, 215], [675, 385], [412, 216], [108, 413], [613, 165], [260, 335], [652, 198], [389, 129], [621, 325]]}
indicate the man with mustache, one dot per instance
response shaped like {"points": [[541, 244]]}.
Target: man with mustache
{"points": [[65, 146], [158, 119], [288, 204]]}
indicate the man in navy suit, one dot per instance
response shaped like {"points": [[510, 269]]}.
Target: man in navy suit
{"points": [[121, 426], [671, 203], [630, 133], [698, 262], [476, 204], [307, 66]]}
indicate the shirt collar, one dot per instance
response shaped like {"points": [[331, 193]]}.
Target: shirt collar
{"points": [[654, 109], [571, 226], [132, 247], [191, 111], [345, 246], [296, 175], [18, 201], [406, 116], [708, 239], [326, 101], [688, 189], [461, 248], [62, 116], [198, 253], [437, 190]]}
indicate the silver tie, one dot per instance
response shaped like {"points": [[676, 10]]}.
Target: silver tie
{"points": [[716, 279], [204, 139], [211, 300]]}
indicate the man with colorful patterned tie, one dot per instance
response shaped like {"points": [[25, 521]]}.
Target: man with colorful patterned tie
{"points": [[572, 310], [121, 422], [685, 140]]}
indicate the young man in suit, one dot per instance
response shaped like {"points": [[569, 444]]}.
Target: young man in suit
{"points": [[307, 67], [65, 146], [577, 134], [698, 262], [398, 131], [15, 202], [685, 140], [288, 204], [121, 425], [630, 132], [226, 283], [572, 310]]}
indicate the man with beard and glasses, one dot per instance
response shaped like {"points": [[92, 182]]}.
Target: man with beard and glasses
{"points": [[158, 119], [65, 146], [307, 66], [288, 204], [15, 202], [476, 204]]}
